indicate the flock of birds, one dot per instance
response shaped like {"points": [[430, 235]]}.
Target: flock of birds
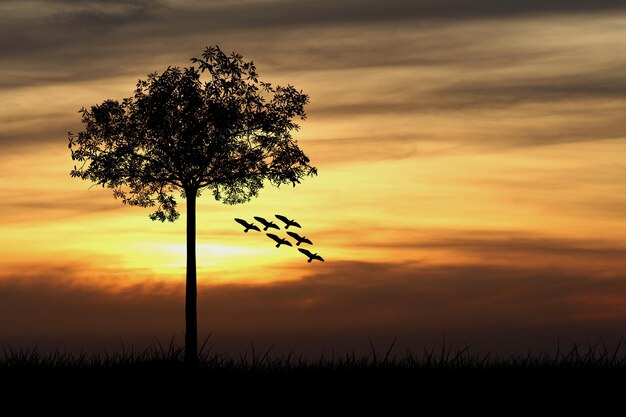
{"points": [[267, 224]]}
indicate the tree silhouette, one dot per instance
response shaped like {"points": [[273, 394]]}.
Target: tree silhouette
{"points": [[180, 134]]}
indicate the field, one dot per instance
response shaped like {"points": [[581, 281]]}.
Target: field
{"points": [[445, 378], [598, 358]]}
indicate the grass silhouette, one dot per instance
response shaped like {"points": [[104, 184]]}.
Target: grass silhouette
{"points": [[598, 356], [449, 378]]}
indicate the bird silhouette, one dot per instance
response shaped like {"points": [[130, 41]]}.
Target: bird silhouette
{"points": [[300, 239], [266, 223], [287, 222], [279, 240], [311, 255], [247, 225]]}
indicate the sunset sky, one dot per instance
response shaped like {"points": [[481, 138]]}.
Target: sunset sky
{"points": [[471, 159]]}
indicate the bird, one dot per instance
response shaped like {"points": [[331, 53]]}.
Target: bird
{"points": [[300, 239], [311, 255], [247, 225], [287, 222], [266, 223], [279, 240]]}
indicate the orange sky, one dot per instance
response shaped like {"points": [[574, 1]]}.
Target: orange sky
{"points": [[447, 139]]}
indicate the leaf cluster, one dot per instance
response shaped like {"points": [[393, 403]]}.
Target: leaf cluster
{"points": [[211, 126]]}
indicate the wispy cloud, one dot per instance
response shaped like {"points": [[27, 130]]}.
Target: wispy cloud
{"points": [[526, 78], [344, 304]]}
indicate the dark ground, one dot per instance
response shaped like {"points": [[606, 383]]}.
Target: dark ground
{"points": [[392, 385]]}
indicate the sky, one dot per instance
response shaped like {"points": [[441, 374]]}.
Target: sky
{"points": [[470, 187]]}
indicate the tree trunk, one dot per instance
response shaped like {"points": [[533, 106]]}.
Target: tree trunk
{"points": [[191, 291]]}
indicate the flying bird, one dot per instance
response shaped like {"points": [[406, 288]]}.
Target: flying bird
{"points": [[247, 225], [287, 222], [279, 241], [266, 223], [311, 255], [300, 239]]}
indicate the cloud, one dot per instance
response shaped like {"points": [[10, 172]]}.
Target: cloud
{"points": [[302, 12], [503, 244], [64, 35], [32, 206], [367, 65], [58, 41], [598, 85], [87, 12], [343, 303], [509, 248]]}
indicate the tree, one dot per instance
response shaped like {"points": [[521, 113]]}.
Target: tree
{"points": [[180, 134]]}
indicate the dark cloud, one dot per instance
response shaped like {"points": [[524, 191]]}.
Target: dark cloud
{"points": [[43, 43], [599, 85], [29, 206], [344, 303], [511, 243], [41, 126], [84, 12], [77, 43], [602, 85], [301, 12], [372, 10], [50, 198], [75, 33], [36, 25]]}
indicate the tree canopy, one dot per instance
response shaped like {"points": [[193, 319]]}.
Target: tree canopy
{"points": [[210, 126]]}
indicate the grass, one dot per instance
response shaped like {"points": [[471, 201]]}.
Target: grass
{"points": [[595, 357], [441, 377]]}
